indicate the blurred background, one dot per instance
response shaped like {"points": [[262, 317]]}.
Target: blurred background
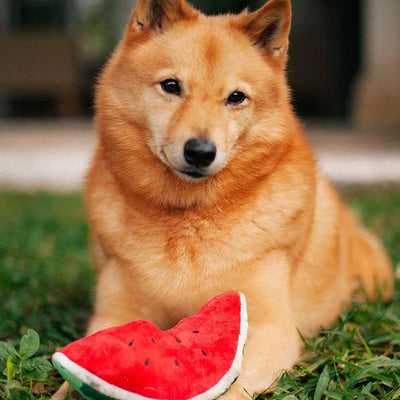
{"points": [[344, 69]]}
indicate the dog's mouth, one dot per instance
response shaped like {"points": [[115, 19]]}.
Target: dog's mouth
{"points": [[193, 174]]}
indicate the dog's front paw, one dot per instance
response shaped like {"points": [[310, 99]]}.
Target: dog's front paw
{"points": [[237, 391]]}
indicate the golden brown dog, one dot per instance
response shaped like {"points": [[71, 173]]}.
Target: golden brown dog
{"points": [[203, 182]]}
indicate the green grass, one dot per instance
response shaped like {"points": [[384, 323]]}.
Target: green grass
{"points": [[46, 281], [46, 284], [46, 278]]}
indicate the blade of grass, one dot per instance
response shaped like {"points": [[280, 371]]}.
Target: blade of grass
{"points": [[367, 349], [322, 384]]}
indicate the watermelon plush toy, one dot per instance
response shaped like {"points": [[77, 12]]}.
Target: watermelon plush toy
{"points": [[197, 359]]}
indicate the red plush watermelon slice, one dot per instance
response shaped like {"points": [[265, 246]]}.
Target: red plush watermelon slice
{"points": [[197, 359]]}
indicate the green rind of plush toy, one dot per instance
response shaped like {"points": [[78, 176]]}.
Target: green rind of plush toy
{"points": [[84, 390]]}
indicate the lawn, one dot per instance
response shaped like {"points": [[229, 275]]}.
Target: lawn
{"points": [[46, 284]]}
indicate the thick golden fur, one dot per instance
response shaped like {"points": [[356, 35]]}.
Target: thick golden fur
{"points": [[265, 222]]}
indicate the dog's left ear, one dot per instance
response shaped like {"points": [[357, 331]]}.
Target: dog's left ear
{"points": [[157, 15], [269, 27]]}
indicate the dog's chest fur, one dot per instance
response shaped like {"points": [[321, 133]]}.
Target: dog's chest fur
{"points": [[179, 253]]}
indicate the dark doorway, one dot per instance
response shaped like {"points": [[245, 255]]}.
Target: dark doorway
{"points": [[325, 56]]}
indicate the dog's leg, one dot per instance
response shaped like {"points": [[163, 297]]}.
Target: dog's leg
{"points": [[273, 343], [269, 350], [62, 392], [117, 301]]}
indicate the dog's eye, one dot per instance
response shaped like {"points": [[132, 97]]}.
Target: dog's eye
{"points": [[236, 98], [171, 86]]}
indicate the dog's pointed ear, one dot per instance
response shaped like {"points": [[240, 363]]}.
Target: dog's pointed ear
{"points": [[157, 15], [269, 26]]}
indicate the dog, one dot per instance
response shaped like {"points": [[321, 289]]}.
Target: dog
{"points": [[203, 182]]}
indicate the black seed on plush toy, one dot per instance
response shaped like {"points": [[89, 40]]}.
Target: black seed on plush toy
{"points": [[176, 362], [131, 343], [204, 353], [153, 340], [146, 363], [195, 331], [179, 341]]}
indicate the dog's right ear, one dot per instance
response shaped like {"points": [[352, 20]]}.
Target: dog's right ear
{"points": [[269, 26], [157, 15]]}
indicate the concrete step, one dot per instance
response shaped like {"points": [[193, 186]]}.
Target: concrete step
{"points": [[54, 154]]}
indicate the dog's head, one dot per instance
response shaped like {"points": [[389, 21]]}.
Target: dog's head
{"points": [[190, 101]]}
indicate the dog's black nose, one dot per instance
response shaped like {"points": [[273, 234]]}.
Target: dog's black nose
{"points": [[199, 152]]}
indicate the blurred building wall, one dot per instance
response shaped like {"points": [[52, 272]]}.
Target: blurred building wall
{"points": [[332, 42], [39, 71], [377, 93]]}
